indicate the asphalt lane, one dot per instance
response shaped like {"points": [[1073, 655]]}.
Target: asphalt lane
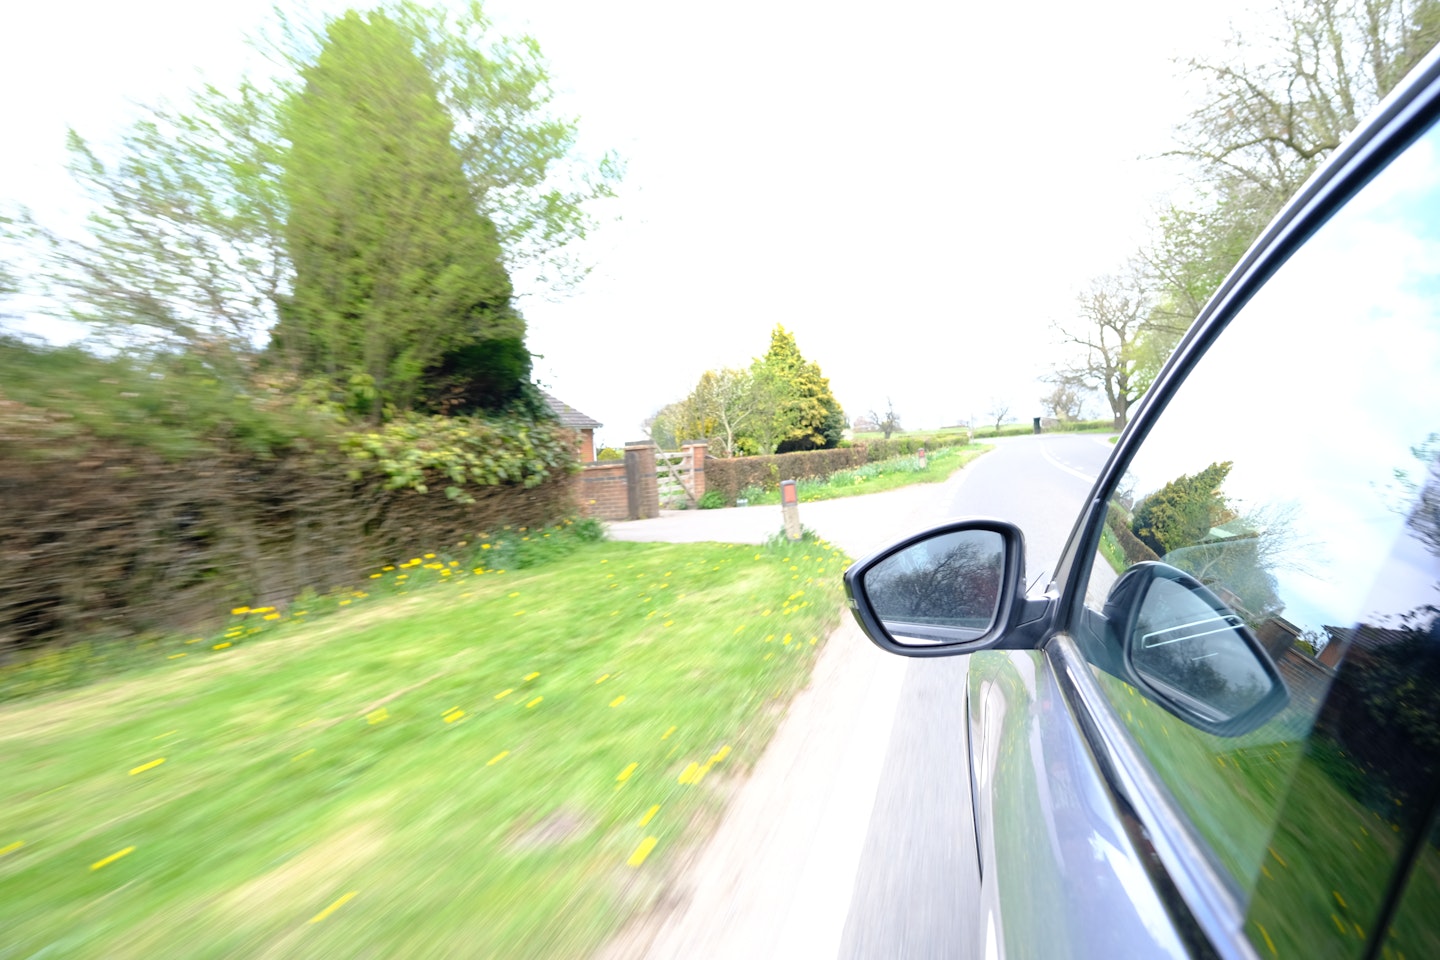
{"points": [[917, 880]]}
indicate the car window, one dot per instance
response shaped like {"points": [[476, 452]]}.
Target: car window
{"points": [[1293, 475]]}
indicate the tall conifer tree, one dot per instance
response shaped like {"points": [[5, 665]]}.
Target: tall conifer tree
{"points": [[400, 294]]}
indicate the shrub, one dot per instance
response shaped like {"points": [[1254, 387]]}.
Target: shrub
{"points": [[711, 500], [610, 453]]}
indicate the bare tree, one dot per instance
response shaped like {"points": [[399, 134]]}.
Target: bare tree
{"points": [[1107, 334], [890, 422], [1000, 410]]}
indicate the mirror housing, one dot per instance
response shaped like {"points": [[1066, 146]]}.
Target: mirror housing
{"points": [[1190, 653], [952, 589]]}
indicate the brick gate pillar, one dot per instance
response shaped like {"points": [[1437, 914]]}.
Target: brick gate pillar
{"points": [[641, 489], [696, 453]]}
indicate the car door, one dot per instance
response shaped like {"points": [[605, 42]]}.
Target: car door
{"points": [[1220, 732]]}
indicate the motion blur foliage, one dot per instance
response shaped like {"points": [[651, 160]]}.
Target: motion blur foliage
{"points": [[147, 497], [398, 277]]}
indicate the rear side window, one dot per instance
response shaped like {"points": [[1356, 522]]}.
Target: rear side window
{"points": [[1294, 476]]}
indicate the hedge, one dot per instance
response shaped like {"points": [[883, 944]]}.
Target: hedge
{"points": [[105, 539], [730, 476]]}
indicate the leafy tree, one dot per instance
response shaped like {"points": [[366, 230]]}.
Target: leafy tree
{"points": [[811, 412], [775, 412], [186, 248], [730, 402], [1066, 400], [1276, 110], [1111, 322], [1183, 512], [182, 247], [398, 279], [1273, 111]]}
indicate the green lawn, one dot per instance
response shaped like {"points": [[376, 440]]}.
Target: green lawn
{"points": [[504, 764]]}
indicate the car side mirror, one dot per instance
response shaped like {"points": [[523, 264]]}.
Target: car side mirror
{"points": [[1191, 653], [951, 589]]}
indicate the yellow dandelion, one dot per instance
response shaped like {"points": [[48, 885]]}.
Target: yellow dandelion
{"points": [[272, 616], [533, 702], [642, 851], [497, 758], [221, 646], [387, 569], [532, 676], [625, 774], [334, 906], [146, 766], [376, 576], [503, 694], [429, 556], [603, 679], [240, 611], [666, 734], [20, 843], [175, 656], [112, 858], [618, 700]]}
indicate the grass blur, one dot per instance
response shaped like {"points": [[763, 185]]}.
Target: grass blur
{"points": [[499, 764], [877, 477]]}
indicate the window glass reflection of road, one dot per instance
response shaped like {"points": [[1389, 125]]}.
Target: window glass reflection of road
{"points": [[917, 878]]}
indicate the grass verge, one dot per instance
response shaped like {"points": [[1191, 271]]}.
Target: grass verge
{"points": [[877, 477], [502, 764]]}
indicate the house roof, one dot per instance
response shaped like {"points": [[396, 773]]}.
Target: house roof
{"points": [[568, 415]]}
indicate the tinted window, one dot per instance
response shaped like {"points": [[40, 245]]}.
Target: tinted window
{"points": [[1294, 476]]}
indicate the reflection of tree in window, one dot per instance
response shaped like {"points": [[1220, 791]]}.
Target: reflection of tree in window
{"points": [[956, 583], [1192, 525]]}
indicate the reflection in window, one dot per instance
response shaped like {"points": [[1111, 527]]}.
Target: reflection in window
{"points": [[1294, 475]]}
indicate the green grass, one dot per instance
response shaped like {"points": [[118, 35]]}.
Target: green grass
{"points": [[1111, 550], [461, 770], [877, 477]]}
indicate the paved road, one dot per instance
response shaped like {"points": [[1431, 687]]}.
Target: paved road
{"points": [[853, 837]]}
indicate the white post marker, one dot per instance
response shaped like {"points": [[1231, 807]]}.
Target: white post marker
{"points": [[922, 458], [790, 507]]}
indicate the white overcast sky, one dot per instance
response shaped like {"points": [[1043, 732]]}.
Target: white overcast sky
{"points": [[916, 190]]}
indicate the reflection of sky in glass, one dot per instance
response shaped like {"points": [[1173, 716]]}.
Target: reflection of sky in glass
{"points": [[1318, 391]]}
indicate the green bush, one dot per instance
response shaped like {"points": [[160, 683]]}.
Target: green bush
{"points": [[711, 500], [610, 453]]}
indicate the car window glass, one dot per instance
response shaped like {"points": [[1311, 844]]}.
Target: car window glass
{"points": [[1293, 474]]}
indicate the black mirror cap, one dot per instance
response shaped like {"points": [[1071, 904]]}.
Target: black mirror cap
{"points": [[1122, 612], [1012, 607]]}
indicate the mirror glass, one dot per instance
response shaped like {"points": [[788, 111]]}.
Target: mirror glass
{"points": [[945, 589], [1196, 653]]}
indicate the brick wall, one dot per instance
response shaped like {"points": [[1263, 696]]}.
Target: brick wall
{"points": [[601, 490]]}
